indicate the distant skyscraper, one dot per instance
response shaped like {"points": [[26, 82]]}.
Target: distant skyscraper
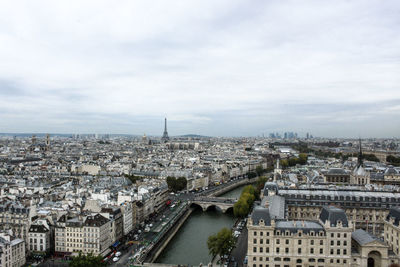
{"points": [[165, 134]]}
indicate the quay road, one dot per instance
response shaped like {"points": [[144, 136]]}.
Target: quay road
{"points": [[161, 224]]}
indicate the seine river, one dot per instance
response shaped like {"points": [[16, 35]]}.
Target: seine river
{"points": [[189, 245]]}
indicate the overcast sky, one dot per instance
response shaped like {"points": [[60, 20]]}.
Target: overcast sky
{"points": [[222, 68]]}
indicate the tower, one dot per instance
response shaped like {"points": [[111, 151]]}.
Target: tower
{"points": [[33, 139], [277, 171], [48, 140], [165, 134]]}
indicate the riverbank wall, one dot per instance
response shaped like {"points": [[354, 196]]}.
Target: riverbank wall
{"points": [[159, 247], [230, 187]]}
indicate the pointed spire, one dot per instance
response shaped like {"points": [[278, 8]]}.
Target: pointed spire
{"points": [[360, 161]]}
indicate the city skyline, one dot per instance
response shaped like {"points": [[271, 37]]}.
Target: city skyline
{"points": [[213, 69]]}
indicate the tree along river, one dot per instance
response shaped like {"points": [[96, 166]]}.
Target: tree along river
{"points": [[189, 245]]}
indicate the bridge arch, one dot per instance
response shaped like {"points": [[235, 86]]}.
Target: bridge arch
{"points": [[229, 210], [196, 206]]}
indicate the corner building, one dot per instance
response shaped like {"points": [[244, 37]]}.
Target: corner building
{"points": [[325, 242]]}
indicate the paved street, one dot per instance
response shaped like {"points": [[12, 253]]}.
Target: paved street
{"points": [[240, 251]]}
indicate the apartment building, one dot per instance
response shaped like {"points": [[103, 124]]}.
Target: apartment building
{"points": [[15, 217], [86, 234], [392, 230], [12, 251], [367, 209], [326, 242], [39, 238]]}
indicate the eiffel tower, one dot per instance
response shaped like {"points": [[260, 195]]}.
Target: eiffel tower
{"points": [[165, 137]]}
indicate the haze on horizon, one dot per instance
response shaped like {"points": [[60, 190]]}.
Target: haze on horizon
{"points": [[215, 68]]}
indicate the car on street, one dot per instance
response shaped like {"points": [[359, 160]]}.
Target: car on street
{"points": [[118, 253], [115, 259]]}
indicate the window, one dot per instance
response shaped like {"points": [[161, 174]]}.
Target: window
{"points": [[299, 242], [344, 251], [254, 249], [312, 242], [338, 242], [332, 242], [321, 242], [261, 249], [277, 250], [254, 241], [332, 235], [299, 250], [255, 233], [261, 233], [261, 241], [312, 250], [338, 251], [287, 241], [286, 250], [321, 251], [331, 251], [278, 241]]}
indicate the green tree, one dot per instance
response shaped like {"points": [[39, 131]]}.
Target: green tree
{"points": [[171, 181], [249, 198], [259, 170], [251, 175], [221, 243], [176, 184], [393, 160], [181, 183], [89, 260], [241, 208], [284, 163], [133, 178], [303, 158], [260, 183]]}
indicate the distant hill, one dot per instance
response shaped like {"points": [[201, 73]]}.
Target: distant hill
{"points": [[193, 136]]}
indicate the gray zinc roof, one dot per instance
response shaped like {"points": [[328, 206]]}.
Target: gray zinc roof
{"points": [[261, 213], [394, 213], [362, 237], [295, 226], [334, 215]]}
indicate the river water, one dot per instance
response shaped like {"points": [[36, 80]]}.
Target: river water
{"points": [[189, 245]]}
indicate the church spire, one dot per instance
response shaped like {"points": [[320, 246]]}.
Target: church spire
{"points": [[359, 160]]}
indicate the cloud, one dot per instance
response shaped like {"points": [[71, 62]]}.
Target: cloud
{"points": [[215, 68]]}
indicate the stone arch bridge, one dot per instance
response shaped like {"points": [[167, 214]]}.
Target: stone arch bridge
{"points": [[222, 203]]}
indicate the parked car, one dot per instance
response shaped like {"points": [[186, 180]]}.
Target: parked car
{"points": [[115, 259], [118, 253]]}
